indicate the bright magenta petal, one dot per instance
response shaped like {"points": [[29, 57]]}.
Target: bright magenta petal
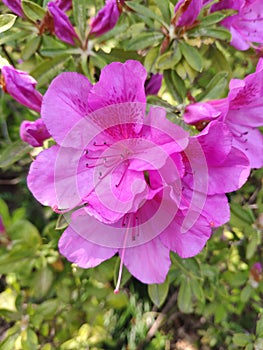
{"points": [[65, 104], [82, 252], [186, 244], [149, 262]]}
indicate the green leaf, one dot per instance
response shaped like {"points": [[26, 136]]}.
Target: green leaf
{"points": [[164, 7], [48, 308], [197, 289], [146, 12], [175, 85], [42, 282], [192, 56], [217, 33], [31, 47], [241, 339], [49, 68], [33, 11], [215, 87], [241, 213], [252, 245], [246, 293], [158, 293], [185, 297], [151, 58], [169, 59], [79, 14], [13, 152], [6, 22], [259, 328], [29, 340], [213, 18], [143, 40]]}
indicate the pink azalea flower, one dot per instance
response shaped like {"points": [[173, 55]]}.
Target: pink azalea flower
{"points": [[153, 84], [245, 26], [22, 87], [105, 19], [63, 28], [241, 111], [64, 5], [34, 133], [135, 183]]}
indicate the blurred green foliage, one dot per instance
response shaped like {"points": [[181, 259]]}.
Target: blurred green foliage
{"points": [[212, 301]]}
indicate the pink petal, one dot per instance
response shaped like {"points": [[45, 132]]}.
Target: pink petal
{"points": [[119, 83], [229, 175], [64, 30], [65, 104], [52, 178], [149, 262], [82, 252], [105, 19], [186, 244]]}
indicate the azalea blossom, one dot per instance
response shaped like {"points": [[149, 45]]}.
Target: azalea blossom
{"points": [[21, 86], [128, 180], [105, 19], [241, 111], [34, 133], [244, 26]]}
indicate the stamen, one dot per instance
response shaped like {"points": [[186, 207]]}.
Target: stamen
{"points": [[123, 174], [117, 288]]}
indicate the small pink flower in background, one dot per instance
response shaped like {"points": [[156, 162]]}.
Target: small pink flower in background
{"points": [[64, 5], [105, 19], [138, 185], [255, 274], [22, 87], [241, 111], [2, 226], [63, 28], [34, 133], [153, 84], [245, 26]]}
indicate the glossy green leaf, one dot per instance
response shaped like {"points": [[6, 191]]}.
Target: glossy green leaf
{"points": [[169, 59], [33, 11], [143, 41], [29, 340], [6, 22], [79, 14], [215, 88], [164, 7], [259, 328], [217, 33], [241, 339], [213, 18], [14, 152], [158, 293], [175, 85], [31, 47], [192, 56], [146, 12], [151, 58], [49, 68], [185, 297]]}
